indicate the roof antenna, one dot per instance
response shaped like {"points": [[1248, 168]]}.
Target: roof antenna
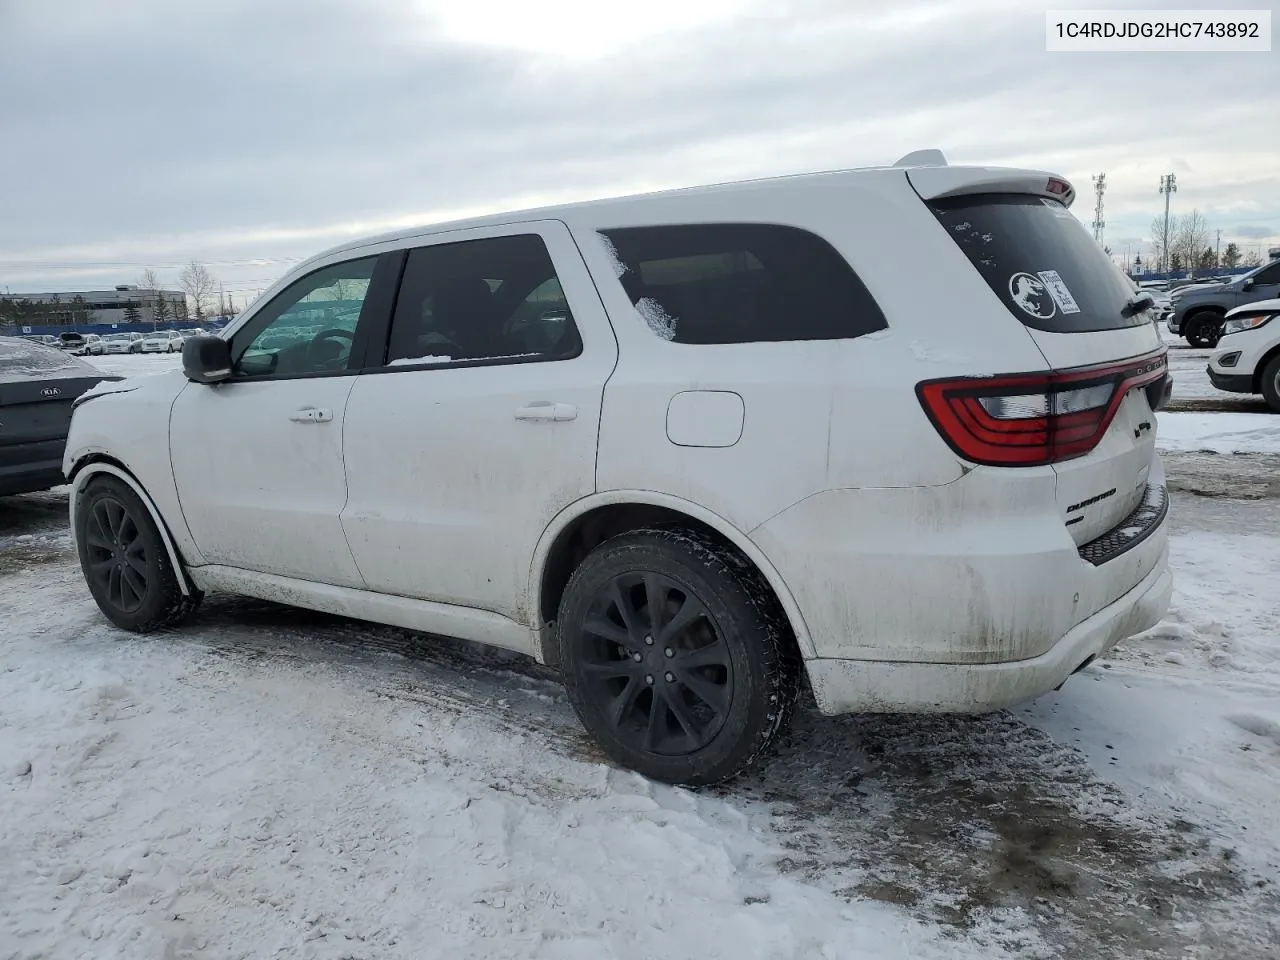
{"points": [[923, 158]]}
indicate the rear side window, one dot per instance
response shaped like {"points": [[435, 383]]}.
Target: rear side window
{"points": [[741, 283], [496, 300], [1040, 261]]}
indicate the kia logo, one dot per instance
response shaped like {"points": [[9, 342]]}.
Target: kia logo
{"points": [[51, 392]]}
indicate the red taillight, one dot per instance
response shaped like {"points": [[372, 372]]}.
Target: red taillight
{"points": [[1030, 419]]}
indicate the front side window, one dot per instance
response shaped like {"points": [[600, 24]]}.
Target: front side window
{"points": [[1267, 275], [496, 299], [309, 327], [741, 283]]}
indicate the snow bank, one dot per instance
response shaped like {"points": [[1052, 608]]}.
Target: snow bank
{"points": [[1218, 432]]}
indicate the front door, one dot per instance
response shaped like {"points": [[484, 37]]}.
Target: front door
{"points": [[258, 458], [482, 424]]}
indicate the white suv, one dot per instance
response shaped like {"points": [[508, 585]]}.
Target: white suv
{"points": [[690, 447], [1248, 356]]}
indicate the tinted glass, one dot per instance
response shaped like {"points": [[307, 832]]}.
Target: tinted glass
{"points": [[1268, 274], [741, 283], [1040, 261], [497, 299], [309, 327]]}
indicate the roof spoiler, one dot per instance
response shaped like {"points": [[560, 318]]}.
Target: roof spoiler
{"points": [[933, 183], [922, 158]]}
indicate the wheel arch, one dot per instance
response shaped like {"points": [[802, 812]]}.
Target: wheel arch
{"points": [[1261, 366], [94, 464], [587, 522]]}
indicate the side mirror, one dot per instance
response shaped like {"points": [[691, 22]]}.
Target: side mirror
{"points": [[1247, 285], [206, 359]]}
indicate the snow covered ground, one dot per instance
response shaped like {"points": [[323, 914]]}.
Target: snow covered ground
{"points": [[137, 364], [268, 782], [1219, 432]]}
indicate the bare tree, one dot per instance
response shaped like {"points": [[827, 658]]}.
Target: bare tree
{"points": [[1253, 258], [1192, 238], [198, 284], [149, 281], [1162, 243]]}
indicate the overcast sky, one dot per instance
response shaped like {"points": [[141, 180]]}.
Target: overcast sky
{"points": [[250, 133]]}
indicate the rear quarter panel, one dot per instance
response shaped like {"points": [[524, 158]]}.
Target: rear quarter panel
{"points": [[819, 415]]}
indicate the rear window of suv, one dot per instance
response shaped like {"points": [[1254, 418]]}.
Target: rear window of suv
{"points": [[1040, 261], [710, 283]]}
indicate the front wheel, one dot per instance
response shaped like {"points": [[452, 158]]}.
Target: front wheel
{"points": [[1204, 329], [675, 656], [1271, 383], [124, 560]]}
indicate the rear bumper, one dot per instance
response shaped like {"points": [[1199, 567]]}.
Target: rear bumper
{"points": [[28, 467], [861, 686]]}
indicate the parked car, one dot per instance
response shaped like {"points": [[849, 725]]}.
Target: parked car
{"points": [[1248, 355], [38, 384], [686, 447], [122, 343], [72, 343], [43, 338], [92, 345], [166, 341], [1199, 310]]}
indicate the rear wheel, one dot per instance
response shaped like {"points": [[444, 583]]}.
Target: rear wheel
{"points": [[1271, 383], [1204, 329], [124, 559], [675, 656]]}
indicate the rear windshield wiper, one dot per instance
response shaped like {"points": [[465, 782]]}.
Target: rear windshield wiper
{"points": [[1138, 303]]}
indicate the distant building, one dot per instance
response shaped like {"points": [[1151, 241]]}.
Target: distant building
{"points": [[96, 307]]}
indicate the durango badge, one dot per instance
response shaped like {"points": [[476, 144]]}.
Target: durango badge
{"points": [[1032, 296]]}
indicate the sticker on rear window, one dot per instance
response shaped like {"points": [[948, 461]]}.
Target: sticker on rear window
{"points": [[1032, 296], [1058, 290], [1056, 208]]}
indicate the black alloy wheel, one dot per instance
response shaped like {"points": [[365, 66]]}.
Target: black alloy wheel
{"points": [[124, 559], [676, 656], [655, 656]]}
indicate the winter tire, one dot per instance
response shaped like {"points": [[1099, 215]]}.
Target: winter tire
{"points": [[1204, 329], [124, 560], [675, 656], [1271, 383]]}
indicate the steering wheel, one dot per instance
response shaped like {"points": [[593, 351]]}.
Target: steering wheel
{"points": [[333, 351]]}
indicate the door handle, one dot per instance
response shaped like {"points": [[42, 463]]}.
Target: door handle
{"points": [[545, 410], [311, 415]]}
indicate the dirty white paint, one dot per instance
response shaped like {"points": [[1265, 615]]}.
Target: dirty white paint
{"points": [[423, 494]]}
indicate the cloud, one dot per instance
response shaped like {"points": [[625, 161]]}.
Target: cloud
{"points": [[234, 130], [1254, 231]]}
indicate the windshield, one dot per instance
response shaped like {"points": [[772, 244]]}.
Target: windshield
{"points": [[1040, 261]]}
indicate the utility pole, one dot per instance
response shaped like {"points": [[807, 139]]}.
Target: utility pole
{"points": [[1168, 186], [1217, 252], [1099, 187]]}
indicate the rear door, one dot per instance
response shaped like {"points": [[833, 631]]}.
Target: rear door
{"points": [[1076, 305], [480, 424]]}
